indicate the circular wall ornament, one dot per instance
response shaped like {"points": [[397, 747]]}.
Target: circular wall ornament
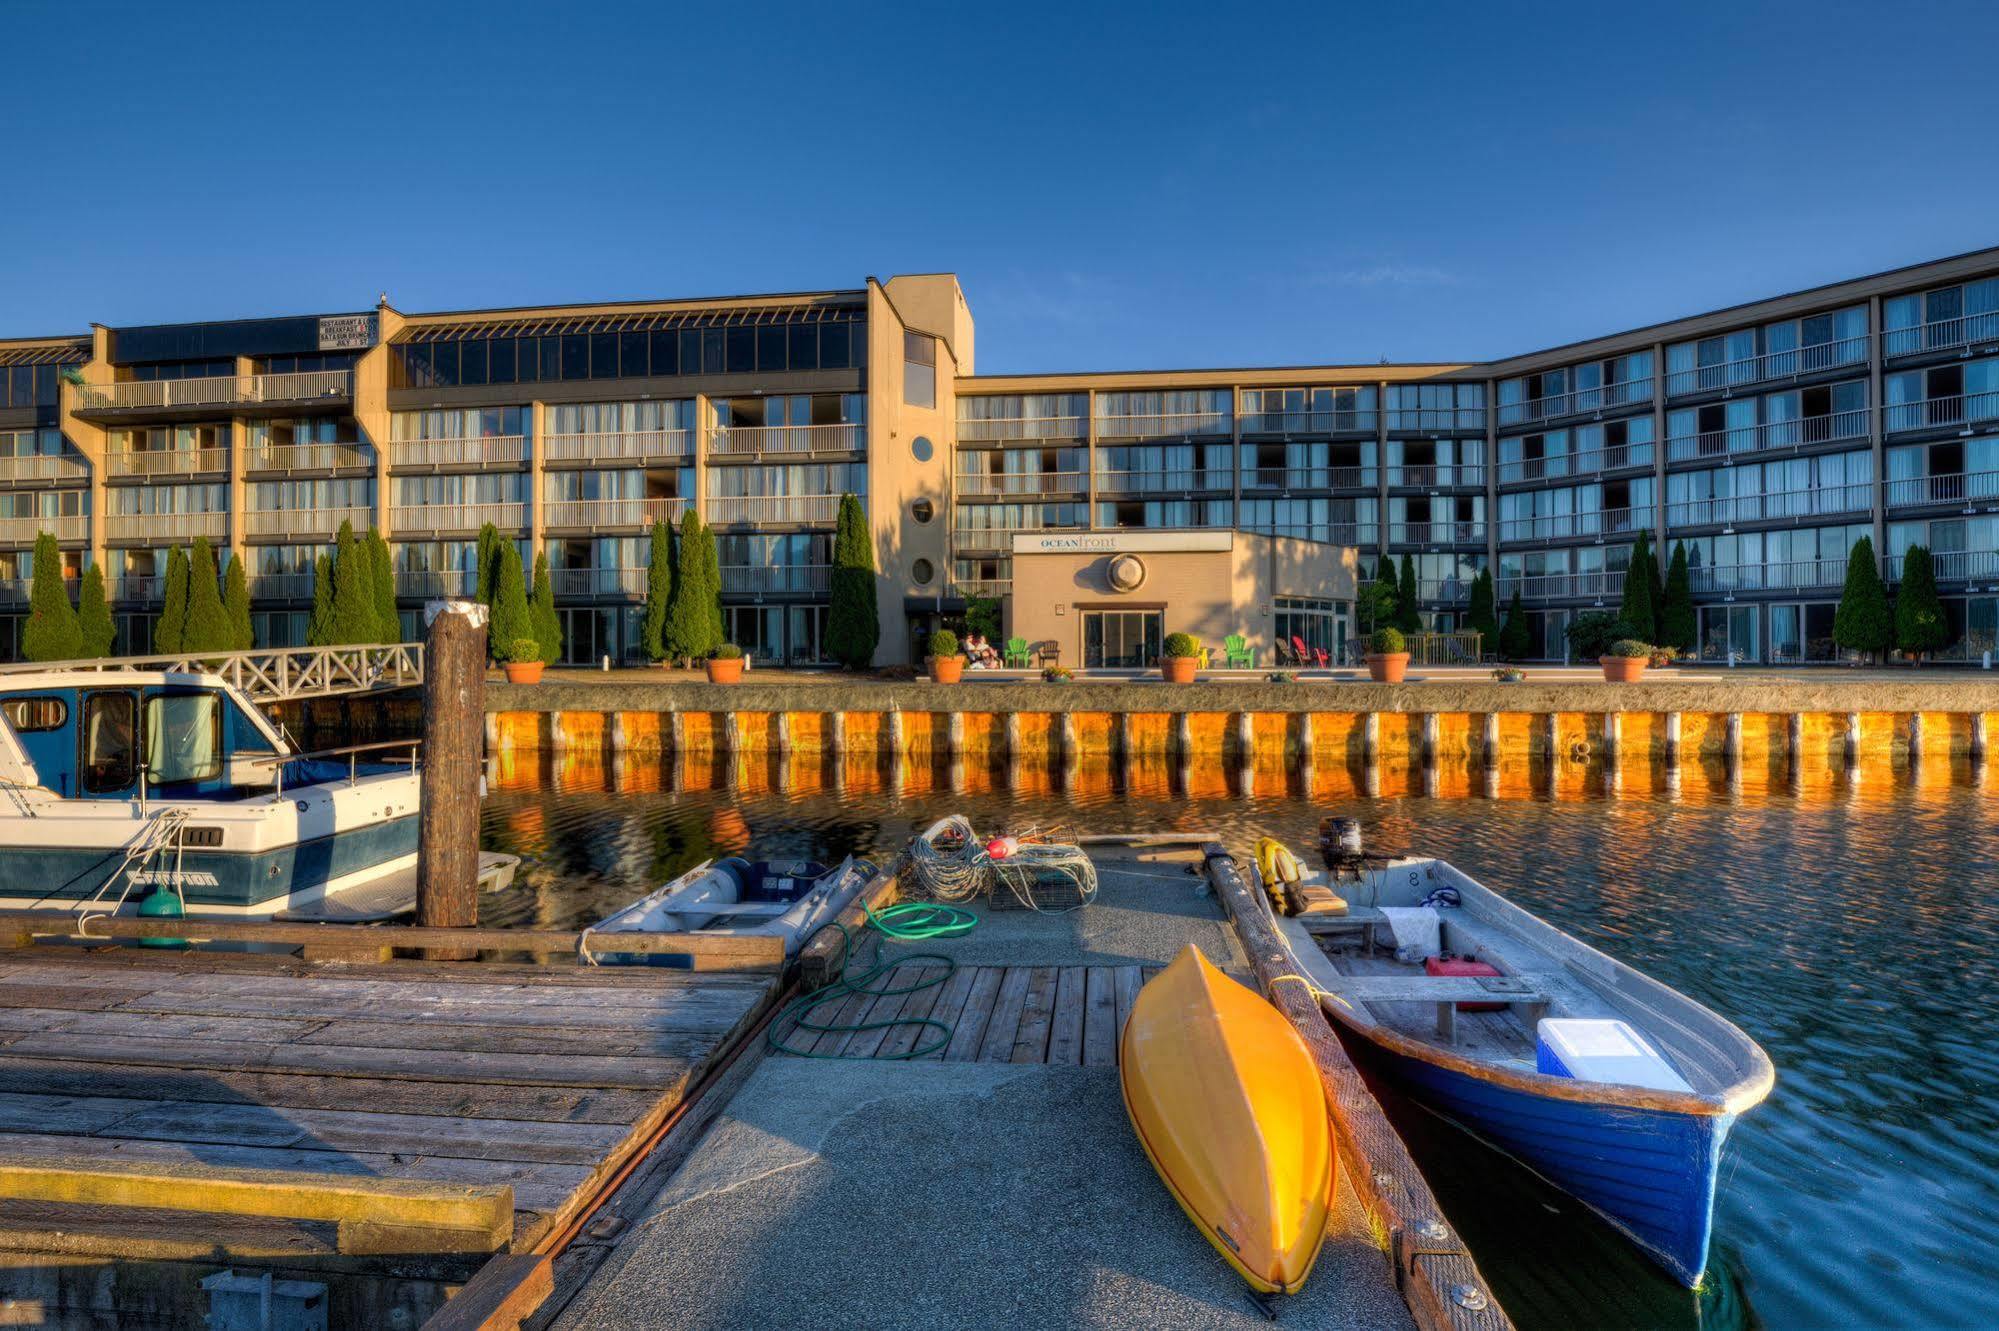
{"points": [[1126, 573], [921, 449], [922, 571]]}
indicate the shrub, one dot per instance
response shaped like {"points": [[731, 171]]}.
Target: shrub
{"points": [[1920, 625], [354, 616], [382, 587], [541, 613], [1388, 642], [53, 632], [1057, 675], [1408, 617], [1281, 677], [727, 651], [1510, 675], [511, 622], [93, 614], [171, 629], [520, 651], [207, 627], [1483, 615], [693, 620], [1630, 649], [1516, 638], [1661, 657], [1863, 622], [943, 643], [853, 624], [1638, 608], [1591, 635], [982, 616], [1180, 646], [1678, 627], [659, 592], [236, 606]]}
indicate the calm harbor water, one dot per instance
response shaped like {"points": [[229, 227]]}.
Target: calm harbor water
{"points": [[1848, 928]]}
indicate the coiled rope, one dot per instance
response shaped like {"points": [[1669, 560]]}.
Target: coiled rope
{"points": [[961, 869], [906, 921]]}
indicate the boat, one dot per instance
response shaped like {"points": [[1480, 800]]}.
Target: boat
{"points": [[170, 793], [789, 899], [1227, 1103], [1616, 1088]]}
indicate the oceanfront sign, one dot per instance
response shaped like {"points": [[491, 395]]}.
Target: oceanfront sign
{"points": [[347, 332], [1121, 542]]}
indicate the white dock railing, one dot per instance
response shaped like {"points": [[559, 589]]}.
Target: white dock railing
{"points": [[274, 674]]}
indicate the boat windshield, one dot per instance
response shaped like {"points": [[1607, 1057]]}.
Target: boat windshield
{"points": [[183, 738]]}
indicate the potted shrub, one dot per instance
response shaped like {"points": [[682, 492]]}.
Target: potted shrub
{"points": [[522, 661], [1509, 675], [1661, 657], [1626, 661], [1057, 675], [1281, 677], [946, 666], [1388, 657], [1181, 658], [726, 665]]}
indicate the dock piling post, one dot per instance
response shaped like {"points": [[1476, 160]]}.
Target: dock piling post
{"points": [[1672, 741], [1853, 743], [1794, 740], [780, 733], [836, 733], [732, 732], [1613, 735], [454, 701], [954, 734], [1183, 737], [674, 735], [1915, 738], [1072, 747], [492, 730], [1370, 737], [614, 732], [1731, 750], [558, 734], [1013, 739], [1550, 728], [1124, 738], [1245, 739], [1430, 726], [1977, 738], [1489, 740], [895, 735]]}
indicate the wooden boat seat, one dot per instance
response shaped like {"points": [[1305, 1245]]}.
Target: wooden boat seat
{"points": [[1447, 991], [1363, 920]]}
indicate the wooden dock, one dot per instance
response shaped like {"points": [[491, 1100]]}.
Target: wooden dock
{"points": [[227, 1107]]}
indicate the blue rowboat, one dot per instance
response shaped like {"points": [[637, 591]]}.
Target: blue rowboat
{"points": [[1640, 1144]]}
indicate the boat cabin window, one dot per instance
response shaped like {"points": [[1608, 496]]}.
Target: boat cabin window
{"points": [[183, 738], [110, 743], [27, 715]]}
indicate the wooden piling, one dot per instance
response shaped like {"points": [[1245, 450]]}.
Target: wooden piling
{"points": [[614, 731], [954, 734], [558, 734], [1672, 741], [1853, 741], [1072, 746], [1430, 726], [894, 730], [1013, 744], [836, 733], [1731, 746], [780, 733], [1489, 740], [1370, 736], [1305, 741], [1613, 734], [1977, 738], [1183, 737], [1124, 749], [1794, 739], [492, 729], [1245, 739], [732, 732], [454, 703], [1915, 738], [1549, 730], [676, 737]]}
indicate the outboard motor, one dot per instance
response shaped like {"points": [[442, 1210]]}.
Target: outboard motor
{"points": [[1340, 843]]}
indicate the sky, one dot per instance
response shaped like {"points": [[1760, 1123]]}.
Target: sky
{"points": [[1117, 187]]}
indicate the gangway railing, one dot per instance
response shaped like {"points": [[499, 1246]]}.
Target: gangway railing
{"points": [[273, 674]]}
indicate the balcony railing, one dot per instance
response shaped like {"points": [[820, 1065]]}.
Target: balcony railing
{"points": [[797, 510], [308, 457], [1783, 575], [1174, 480], [761, 440], [24, 530], [1796, 363], [1598, 583], [620, 446], [1941, 334], [1775, 506], [1360, 535], [1308, 478], [42, 467], [1953, 488], [598, 581], [18, 591], [597, 514], [281, 586], [776, 579], [406, 519], [134, 588], [435, 582], [1805, 432], [1167, 425], [470, 451], [1024, 483], [222, 391], [1581, 400], [304, 521], [153, 528], [1964, 409], [1436, 533], [1586, 463], [1431, 476], [1023, 428], [165, 461], [1436, 420], [981, 588], [1954, 566], [997, 538], [1304, 422]]}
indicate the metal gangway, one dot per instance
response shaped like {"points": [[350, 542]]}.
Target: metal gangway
{"points": [[274, 674]]}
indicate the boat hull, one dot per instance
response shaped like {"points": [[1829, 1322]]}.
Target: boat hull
{"points": [[1650, 1173]]}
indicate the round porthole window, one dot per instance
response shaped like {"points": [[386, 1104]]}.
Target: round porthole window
{"points": [[922, 448], [922, 571], [1127, 573], [923, 510]]}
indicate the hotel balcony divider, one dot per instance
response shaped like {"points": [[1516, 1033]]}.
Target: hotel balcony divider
{"points": [[1804, 432], [623, 447], [1775, 506], [1980, 410], [785, 440], [1951, 488], [602, 514], [1577, 402], [1770, 367]]}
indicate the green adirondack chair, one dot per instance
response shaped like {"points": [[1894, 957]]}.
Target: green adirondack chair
{"points": [[1016, 652], [1238, 652]]}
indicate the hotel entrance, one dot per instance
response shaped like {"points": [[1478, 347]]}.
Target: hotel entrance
{"points": [[1128, 639]]}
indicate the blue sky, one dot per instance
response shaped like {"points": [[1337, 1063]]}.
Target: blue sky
{"points": [[1183, 185]]}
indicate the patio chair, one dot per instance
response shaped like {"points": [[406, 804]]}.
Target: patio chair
{"points": [[1304, 652], [1016, 652], [1238, 652], [1285, 656]]}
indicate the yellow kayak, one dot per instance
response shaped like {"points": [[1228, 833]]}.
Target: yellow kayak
{"points": [[1227, 1103]]}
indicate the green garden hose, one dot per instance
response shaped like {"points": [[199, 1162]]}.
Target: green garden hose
{"points": [[908, 921]]}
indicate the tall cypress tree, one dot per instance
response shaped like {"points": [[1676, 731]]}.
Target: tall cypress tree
{"points": [[1678, 627], [93, 614], [853, 624], [236, 605], [382, 588], [1920, 626], [1862, 623], [1516, 640], [1481, 617], [512, 623], [693, 617], [52, 632], [488, 566], [319, 629], [353, 599], [1638, 609], [547, 624], [659, 592], [169, 635], [1408, 617], [207, 626]]}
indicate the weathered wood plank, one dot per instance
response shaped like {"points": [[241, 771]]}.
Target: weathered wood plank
{"points": [[1037, 1014], [974, 1012], [690, 1013], [905, 1038], [1065, 1033], [1128, 983], [71, 1113], [889, 1007], [348, 1130], [89, 1025], [506, 1290], [1004, 1024], [127, 965], [143, 1234], [1100, 1017], [846, 1012], [514, 1039]]}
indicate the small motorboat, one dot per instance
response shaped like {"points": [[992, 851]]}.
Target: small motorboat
{"points": [[1228, 1105], [790, 899], [1613, 1086]]}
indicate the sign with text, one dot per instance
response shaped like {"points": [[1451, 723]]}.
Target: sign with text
{"points": [[1120, 542], [347, 332]]}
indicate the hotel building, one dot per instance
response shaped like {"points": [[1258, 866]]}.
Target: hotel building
{"points": [[1765, 437]]}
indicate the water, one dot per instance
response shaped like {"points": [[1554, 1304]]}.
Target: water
{"points": [[1849, 928]]}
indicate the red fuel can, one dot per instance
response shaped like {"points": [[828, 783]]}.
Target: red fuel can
{"points": [[1448, 964]]}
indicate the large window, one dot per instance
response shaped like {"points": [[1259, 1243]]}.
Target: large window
{"points": [[919, 370], [1127, 639], [183, 738], [110, 743]]}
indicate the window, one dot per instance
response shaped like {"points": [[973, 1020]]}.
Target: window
{"points": [[183, 738], [31, 714], [919, 371], [110, 749], [922, 571], [923, 511], [921, 449]]}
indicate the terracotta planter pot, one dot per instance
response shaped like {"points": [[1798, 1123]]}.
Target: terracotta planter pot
{"points": [[947, 669], [1622, 669], [1178, 669], [523, 672], [725, 670], [1387, 668]]}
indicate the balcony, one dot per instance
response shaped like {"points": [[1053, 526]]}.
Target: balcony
{"points": [[1025, 483], [1776, 506], [785, 440], [1783, 576], [1172, 480], [252, 394], [136, 589], [1805, 432], [1168, 425], [1024, 429], [18, 591], [1589, 462], [1423, 476], [435, 582], [1771, 366], [630, 447], [1357, 421], [22, 469], [407, 520], [1308, 478], [1981, 566], [299, 458], [24, 530], [305, 521], [1967, 411], [598, 581], [1593, 525], [1942, 335], [1598, 584], [1436, 533], [1436, 420], [281, 586], [608, 514], [980, 588], [1582, 401], [494, 450], [149, 529], [786, 510], [1956, 488], [137, 463], [1359, 535], [776, 579]]}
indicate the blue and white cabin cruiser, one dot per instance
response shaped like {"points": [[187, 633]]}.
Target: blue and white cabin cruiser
{"points": [[118, 784], [1616, 1088]]}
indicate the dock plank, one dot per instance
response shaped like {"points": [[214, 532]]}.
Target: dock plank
{"points": [[901, 1041], [1100, 1017], [950, 1005], [683, 1012], [1037, 1016], [1128, 983], [1004, 1023], [968, 1032], [349, 1130], [895, 990], [1065, 1033]]}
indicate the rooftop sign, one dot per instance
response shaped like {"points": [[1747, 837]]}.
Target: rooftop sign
{"points": [[346, 332]]}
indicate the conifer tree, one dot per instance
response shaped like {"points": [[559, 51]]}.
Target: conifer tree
{"points": [[488, 565], [659, 592], [1920, 626], [353, 599], [382, 588], [511, 620], [236, 605], [93, 615], [1516, 640], [52, 632], [853, 624], [1408, 616], [1678, 627], [1862, 623], [1481, 617], [693, 619], [169, 635], [1637, 608], [547, 624], [207, 626], [319, 629]]}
